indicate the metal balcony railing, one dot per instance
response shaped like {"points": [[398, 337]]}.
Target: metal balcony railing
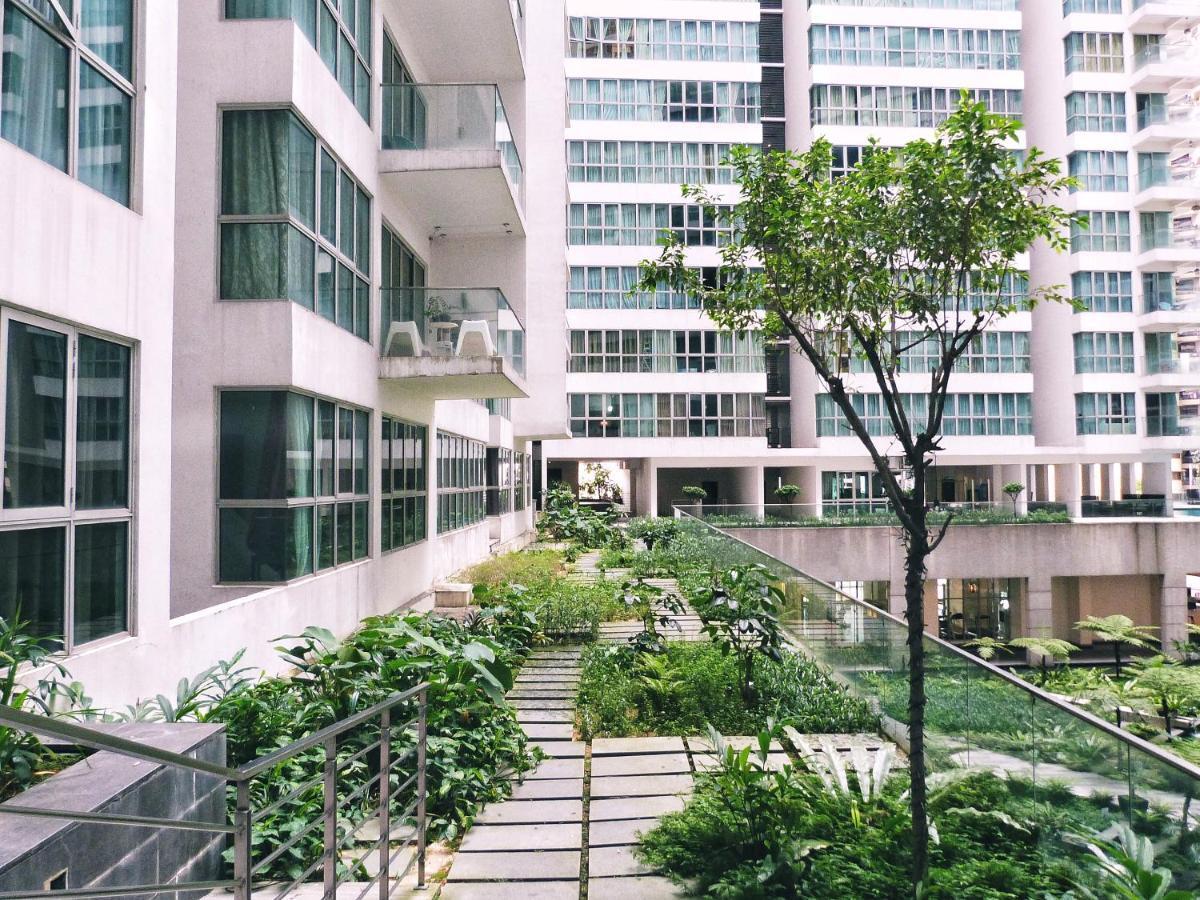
{"points": [[388, 738], [449, 117], [451, 322]]}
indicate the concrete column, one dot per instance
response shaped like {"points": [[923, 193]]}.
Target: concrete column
{"points": [[1156, 479], [809, 479], [646, 496], [896, 602], [1038, 612], [1068, 479], [1010, 473], [751, 489], [1174, 612]]}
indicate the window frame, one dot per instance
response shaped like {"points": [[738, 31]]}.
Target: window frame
{"points": [[392, 494], [69, 516], [460, 459], [79, 53]]}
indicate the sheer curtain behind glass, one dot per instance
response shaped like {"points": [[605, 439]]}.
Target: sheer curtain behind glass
{"points": [[33, 74]]}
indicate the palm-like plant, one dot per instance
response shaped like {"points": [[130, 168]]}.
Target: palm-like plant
{"points": [[988, 647], [1120, 631]]}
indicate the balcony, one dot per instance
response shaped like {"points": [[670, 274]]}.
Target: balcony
{"points": [[1169, 183], [1169, 123], [1172, 427], [467, 40], [1172, 239], [448, 150], [1156, 16], [1170, 63], [452, 343]]}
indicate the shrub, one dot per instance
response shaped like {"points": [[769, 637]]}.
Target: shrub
{"points": [[563, 519], [740, 609], [527, 567], [654, 530]]}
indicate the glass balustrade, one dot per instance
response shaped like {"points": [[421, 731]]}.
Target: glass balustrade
{"points": [[449, 322]]}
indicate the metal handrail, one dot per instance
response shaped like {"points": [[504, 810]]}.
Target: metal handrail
{"points": [[244, 816], [1118, 734]]}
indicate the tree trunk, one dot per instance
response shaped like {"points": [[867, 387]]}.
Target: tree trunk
{"points": [[914, 598]]}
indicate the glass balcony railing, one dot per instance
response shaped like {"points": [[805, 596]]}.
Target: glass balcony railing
{"points": [[1173, 365], [1178, 51], [449, 117], [451, 322], [1172, 426], [1167, 175], [1179, 113], [1177, 237], [978, 717]]}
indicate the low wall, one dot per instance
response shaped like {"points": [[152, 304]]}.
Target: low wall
{"points": [[35, 850]]}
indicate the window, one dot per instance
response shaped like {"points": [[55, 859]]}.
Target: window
{"points": [[633, 350], [1153, 109], [637, 100], [1105, 414], [1092, 6], [1103, 291], [925, 48], [977, 607], [667, 415], [648, 162], [965, 414], [612, 287], [1158, 291], [895, 106], [462, 481], [1103, 351], [1094, 51], [1095, 111], [609, 38], [643, 224], [845, 159], [404, 492], [990, 352], [501, 480], [76, 74], [1104, 232], [1099, 170], [402, 285], [523, 467], [339, 30], [1162, 415], [986, 5], [293, 496], [65, 509], [844, 492], [294, 224]]}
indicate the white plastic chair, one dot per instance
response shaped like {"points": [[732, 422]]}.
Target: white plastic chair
{"points": [[474, 339], [403, 339]]}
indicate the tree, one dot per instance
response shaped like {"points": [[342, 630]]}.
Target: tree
{"points": [[787, 492], [1014, 489], [1119, 631], [914, 248]]}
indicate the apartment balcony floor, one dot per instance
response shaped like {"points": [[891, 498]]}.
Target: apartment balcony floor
{"points": [[454, 377]]}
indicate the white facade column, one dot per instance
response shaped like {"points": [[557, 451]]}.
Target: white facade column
{"points": [[752, 490], [646, 500], [1068, 479], [1011, 473], [1156, 479], [1038, 614], [810, 489], [1173, 615]]}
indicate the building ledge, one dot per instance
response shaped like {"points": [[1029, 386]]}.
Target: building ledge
{"points": [[454, 377]]}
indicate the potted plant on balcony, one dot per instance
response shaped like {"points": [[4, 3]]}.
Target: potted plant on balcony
{"points": [[1014, 489]]}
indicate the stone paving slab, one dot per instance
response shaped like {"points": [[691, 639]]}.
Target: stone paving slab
{"points": [[525, 890], [544, 716], [640, 785], [549, 667], [609, 861], [525, 812], [557, 768], [545, 865], [644, 887], [554, 678], [560, 749], [522, 837], [549, 789], [523, 693], [617, 832], [640, 745], [701, 743], [649, 764], [540, 703], [549, 731], [633, 808]]}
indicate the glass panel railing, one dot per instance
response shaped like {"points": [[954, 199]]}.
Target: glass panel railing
{"points": [[861, 513], [1167, 175], [978, 716], [1185, 237], [1173, 365], [1172, 426], [1180, 50], [464, 322], [1181, 112], [449, 117]]}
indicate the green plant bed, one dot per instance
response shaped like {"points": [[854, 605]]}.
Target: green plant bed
{"points": [[746, 833], [557, 610], [693, 685], [527, 567], [864, 519]]}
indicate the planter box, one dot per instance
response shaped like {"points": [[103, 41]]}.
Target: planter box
{"points": [[34, 851]]}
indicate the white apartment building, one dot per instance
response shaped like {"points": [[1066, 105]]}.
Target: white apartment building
{"points": [[1088, 409], [262, 293]]}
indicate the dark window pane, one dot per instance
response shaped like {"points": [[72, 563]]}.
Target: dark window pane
{"points": [[325, 444], [31, 581], [35, 417], [105, 118], [102, 425], [345, 297], [325, 554], [360, 530], [34, 71], [329, 182], [254, 440], [265, 545], [101, 580], [326, 302], [362, 429], [254, 261], [345, 451], [302, 174], [254, 161], [107, 28], [299, 446], [345, 532]]}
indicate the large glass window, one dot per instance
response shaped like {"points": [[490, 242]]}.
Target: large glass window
{"points": [[1101, 231], [1105, 414], [990, 352], [965, 414], [320, 257], [293, 495], [1094, 51], [1103, 351], [65, 512], [924, 48], [339, 30], [612, 287], [648, 162], [899, 106], [462, 481], [970, 608], [404, 492], [667, 415], [665, 351], [643, 224], [595, 37], [1095, 111], [1103, 291], [637, 100], [57, 71], [1099, 170]]}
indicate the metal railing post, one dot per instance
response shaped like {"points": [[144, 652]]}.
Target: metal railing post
{"points": [[421, 736], [385, 793], [242, 858], [330, 816]]}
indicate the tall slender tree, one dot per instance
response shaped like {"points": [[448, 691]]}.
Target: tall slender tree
{"points": [[917, 247]]}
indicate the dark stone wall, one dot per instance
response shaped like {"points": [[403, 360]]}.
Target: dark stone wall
{"points": [[35, 850]]}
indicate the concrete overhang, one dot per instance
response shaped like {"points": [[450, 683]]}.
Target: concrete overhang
{"points": [[455, 191], [1163, 257], [454, 377], [1164, 75], [1160, 16], [466, 40], [1167, 135], [1167, 196]]}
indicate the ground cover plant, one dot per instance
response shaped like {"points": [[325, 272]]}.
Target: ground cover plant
{"points": [[693, 685], [563, 610], [528, 567]]}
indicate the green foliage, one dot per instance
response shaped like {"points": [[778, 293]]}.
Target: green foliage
{"points": [[563, 519], [836, 519], [787, 492], [1128, 870], [615, 700], [552, 611], [655, 608], [653, 530], [1120, 631], [600, 484], [694, 492], [528, 567], [740, 609]]}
